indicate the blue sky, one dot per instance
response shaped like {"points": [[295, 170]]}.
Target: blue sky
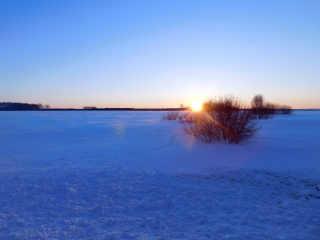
{"points": [[159, 53]]}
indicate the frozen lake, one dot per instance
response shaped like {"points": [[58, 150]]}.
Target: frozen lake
{"points": [[131, 175]]}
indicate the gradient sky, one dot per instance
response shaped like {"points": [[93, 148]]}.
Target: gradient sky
{"points": [[159, 53]]}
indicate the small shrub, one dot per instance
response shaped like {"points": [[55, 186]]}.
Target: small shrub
{"points": [[171, 116], [225, 119]]}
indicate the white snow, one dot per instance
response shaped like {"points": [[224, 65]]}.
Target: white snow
{"points": [[131, 175]]}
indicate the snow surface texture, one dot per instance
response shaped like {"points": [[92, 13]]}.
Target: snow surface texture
{"points": [[130, 175]]}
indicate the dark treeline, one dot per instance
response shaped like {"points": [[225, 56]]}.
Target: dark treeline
{"points": [[128, 109], [9, 106]]}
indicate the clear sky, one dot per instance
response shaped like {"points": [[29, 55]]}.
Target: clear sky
{"points": [[159, 53]]}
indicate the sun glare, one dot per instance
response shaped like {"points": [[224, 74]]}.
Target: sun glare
{"points": [[196, 105]]}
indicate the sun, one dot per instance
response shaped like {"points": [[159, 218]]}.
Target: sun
{"points": [[196, 105]]}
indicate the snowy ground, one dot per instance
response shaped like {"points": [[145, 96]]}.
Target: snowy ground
{"points": [[130, 175]]}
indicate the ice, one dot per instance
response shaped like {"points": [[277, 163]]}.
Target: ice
{"points": [[69, 175]]}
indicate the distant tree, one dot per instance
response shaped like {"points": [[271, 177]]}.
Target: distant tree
{"points": [[257, 101], [90, 108], [267, 110], [257, 104], [181, 106]]}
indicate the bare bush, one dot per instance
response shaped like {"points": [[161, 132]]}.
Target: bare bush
{"points": [[201, 126], [225, 119], [171, 116]]}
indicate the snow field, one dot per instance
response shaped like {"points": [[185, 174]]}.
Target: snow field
{"points": [[107, 203], [129, 175]]}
